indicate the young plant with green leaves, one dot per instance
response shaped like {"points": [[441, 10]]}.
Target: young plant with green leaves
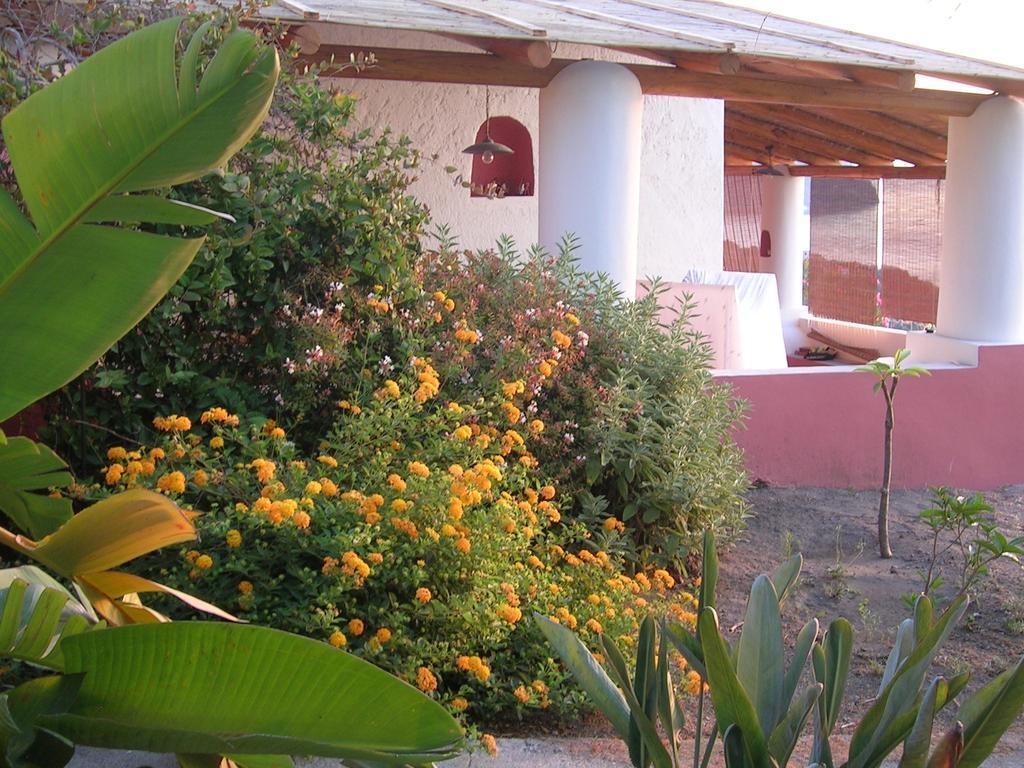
{"points": [[90, 152], [966, 526], [887, 378], [759, 716]]}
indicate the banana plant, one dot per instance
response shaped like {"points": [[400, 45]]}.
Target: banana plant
{"points": [[93, 154], [758, 715]]}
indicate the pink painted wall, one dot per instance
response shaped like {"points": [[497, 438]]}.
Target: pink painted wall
{"points": [[962, 427]]}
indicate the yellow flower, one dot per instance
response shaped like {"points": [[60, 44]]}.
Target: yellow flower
{"points": [[462, 433], [419, 469], [356, 627], [383, 635], [204, 562], [233, 538], [692, 683], [113, 476], [328, 487], [423, 595], [463, 545], [330, 461], [391, 389], [313, 488], [449, 305], [466, 336], [276, 433], [117, 453], [439, 296], [217, 442], [509, 613], [571, 319], [338, 639], [245, 587], [396, 482], [545, 369], [459, 704], [173, 482], [490, 744], [425, 680], [200, 477], [536, 426]]}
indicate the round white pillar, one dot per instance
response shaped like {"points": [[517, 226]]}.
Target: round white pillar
{"points": [[589, 166], [782, 205], [981, 292]]}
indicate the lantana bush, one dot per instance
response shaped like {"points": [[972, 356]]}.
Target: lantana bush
{"points": [[420, 536]]}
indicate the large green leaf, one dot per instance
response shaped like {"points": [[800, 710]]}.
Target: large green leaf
{"points": [[915, 747], [759, 654], [588, 673], [36, 619], [892, 716], [210, 688], [989, 712], [25, 469], [783, 739], [732, 705], [116, 124]]}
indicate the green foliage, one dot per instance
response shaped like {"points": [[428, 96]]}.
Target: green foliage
{"points": [[153, 686], [750, 691], [71, 177], [314, 203], [417, 537], [966, 526]]}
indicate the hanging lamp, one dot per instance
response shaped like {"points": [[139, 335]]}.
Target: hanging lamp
{"points": [[488, 148]]}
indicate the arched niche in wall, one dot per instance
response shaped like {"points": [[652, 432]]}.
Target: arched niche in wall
{"points": [[508, 175]]}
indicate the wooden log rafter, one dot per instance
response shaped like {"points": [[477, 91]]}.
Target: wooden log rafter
{"points": [[534, 53], [807, 121], [776, 149], [740, 168], [785, 134]]}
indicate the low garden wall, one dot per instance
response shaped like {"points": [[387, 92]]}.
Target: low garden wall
{"points": [[962, 426]]}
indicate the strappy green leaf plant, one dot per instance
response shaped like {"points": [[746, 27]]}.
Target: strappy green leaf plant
{"points": [[759, 716]]}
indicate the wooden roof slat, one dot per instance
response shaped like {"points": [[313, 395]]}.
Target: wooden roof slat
{"points": [[631, 24], [771, 131], [806, 120], [497, 18], [763, 30], [307, 13]]}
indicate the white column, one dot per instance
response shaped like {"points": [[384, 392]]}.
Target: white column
{"points": [[782, 205], [981, 292], [589, 166]]}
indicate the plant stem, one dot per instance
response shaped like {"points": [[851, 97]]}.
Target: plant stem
{"points": [[884, 550]]}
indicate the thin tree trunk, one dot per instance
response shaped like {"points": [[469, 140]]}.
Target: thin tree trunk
{"points": [[884, 550]]}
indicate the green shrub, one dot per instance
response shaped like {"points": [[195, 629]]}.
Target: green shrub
{"points": [[419, 537], [315, 205]]}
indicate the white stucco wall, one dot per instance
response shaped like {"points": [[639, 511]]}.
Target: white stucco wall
{"points": [[681, 167]]}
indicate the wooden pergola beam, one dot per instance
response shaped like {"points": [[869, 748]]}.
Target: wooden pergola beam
{"points": [[873, 144], [849, 171], [784, 134], [485, 69]]}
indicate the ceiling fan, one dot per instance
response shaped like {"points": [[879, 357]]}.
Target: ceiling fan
{"points": [[769, 169]]}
